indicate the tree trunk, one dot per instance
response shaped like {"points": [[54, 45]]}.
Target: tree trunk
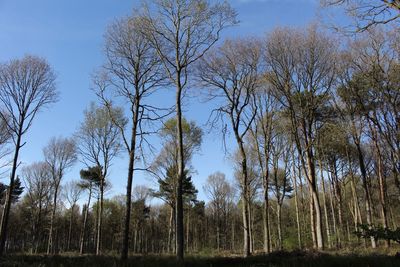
{"points": [[181, 167], [53, 214], [296, 202], [132, 154], [170, 229], [100, 217], [267, 239], [365, 187], [327, 225], [317, 207], [279, 221], [70, 227], [6, 211], [83, 232]]}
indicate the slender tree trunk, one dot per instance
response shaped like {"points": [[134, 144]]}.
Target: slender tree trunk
{"points": [[327, 225], [279, 221], [381, 180], [53, 214], [267, 239], [187, 229], [181, 167], [312, 220], [245, 211], [338, 196], [170, 229], [70, 227], [35, 237], [100, 217], [315, 197], [363, 170], [85, 219], [331, 194], [7, 205], [296, 202], [132, 154]]}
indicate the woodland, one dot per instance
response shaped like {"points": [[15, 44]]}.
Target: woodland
{"points": [[314, 113]]}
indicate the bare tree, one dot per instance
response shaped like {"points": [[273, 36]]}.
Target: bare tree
{"points": [[219, 192], [5, 139], [303, 72], [26, 86], [131, 73], [266, 106], [232, 72], [72, 193], [60, 155], [39, 191], [182, 32], [368, 13], [99, 142]]}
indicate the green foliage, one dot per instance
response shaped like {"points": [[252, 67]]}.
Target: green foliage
{"points": [[378, 232], [167, 187], [16, 191], [90, 176]]}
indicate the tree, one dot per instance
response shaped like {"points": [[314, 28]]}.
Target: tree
{"points": [[220, 192], [165, 166], [232, 73], [132, 73], [182, 32], [5, 139], [17, 190], [99, 142], [72, 193], [60, 155], [39, 190], [266, 107], [302, 73], [369, 13], [91, 178], [280, 183], [26, 86]]}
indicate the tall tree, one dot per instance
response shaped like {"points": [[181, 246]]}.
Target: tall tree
{"points": [[99, 142], [219, 192], [131, 73], [72, 193], [302, 73], [39, 191], [182, 32], [232, 73], [165, 166], [60, 156], [266, 107], [26, 86], [91, 178]]}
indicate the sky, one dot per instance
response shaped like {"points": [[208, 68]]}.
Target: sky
{"points": [[69, 34]]}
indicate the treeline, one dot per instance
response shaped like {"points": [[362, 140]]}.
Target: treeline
{"points": [[315, 118]]}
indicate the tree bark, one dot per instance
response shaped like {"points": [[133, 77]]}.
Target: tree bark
{"points": [[7, 206], [100, 218], [180, 246], [132, 154], [365, 187], [53, 214]]}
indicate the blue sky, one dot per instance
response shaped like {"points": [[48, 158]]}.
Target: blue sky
{"points": [[69, 34]]}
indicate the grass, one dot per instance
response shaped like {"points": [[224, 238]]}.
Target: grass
{"points": [[277, 259]]}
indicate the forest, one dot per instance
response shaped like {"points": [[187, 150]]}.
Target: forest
{"points": [[313, 113]]}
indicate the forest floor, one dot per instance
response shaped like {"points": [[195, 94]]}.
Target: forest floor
{"points": [[354, 258]]}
